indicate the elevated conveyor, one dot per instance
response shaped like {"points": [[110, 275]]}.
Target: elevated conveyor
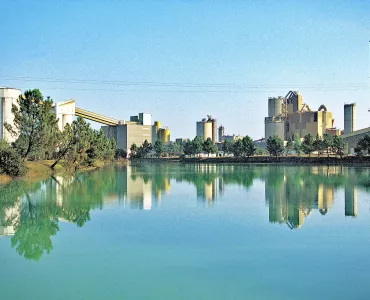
{"points": [[95, 117]]}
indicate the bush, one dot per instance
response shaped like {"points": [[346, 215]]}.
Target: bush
{"points": [[10, 161], [120, 154]]}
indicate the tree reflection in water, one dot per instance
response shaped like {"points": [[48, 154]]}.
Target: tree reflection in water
{"points": [[31, 212]]}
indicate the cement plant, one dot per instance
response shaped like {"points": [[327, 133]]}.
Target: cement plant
{"points": [[287, 117]]}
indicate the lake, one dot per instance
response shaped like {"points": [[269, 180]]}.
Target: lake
{"points": [[172, 231]]}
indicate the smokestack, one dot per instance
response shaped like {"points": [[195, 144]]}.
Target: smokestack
{"points": [[349, 118]]}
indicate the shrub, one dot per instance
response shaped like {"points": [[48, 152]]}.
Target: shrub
{"points": [[10, 161]]}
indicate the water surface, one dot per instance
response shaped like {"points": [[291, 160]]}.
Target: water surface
{"points": [[188, 232]]}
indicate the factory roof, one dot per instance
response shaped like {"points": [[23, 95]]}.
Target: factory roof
{"points": [[357, 132]]}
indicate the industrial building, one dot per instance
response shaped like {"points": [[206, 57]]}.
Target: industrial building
{"points": [[136, 131], [207, 128], [351, 136], [8, 97], [289, 116]]}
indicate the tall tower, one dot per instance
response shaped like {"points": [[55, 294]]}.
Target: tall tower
{"points": [[221, 133], [8, 97], [349, 118]]}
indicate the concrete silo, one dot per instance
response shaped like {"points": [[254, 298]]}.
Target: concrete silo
{"points": [[275, 126], [8, 97], [274, 107], [164, 135], [349, 118], [208, 130]]}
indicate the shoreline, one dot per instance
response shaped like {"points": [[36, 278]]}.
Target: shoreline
{"points": [[39, 170], [257, 160]]}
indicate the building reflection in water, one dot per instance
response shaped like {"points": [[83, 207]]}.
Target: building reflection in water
{"points": [[9, 218], [350, 201], [292, 196]]}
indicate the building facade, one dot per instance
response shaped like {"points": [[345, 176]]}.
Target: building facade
{"points": [[8, 97], [207, 128]]}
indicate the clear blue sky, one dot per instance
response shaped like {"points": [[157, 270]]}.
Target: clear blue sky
{"points": [[226, 57]]}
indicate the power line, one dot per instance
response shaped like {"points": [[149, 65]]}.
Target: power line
{"points": [[181, 84]]}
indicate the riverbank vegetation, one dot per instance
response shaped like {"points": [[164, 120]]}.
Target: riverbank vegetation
{"points": [[38, 138]]}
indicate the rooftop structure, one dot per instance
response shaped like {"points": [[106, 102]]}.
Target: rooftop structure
{"points": [[289, 116], [207, 128]]}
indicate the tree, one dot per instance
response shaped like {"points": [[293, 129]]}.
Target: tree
{"points": [[227, 147], [307, 145], [238, 148], [318, 144], [34, 123], [159, 147], [133, 150], [68, 140], [327, 143], [10, 161], [209, 146], [297, 144], [174, 148], [275, 146], [248, 146], [339, 146], [197, 145], [188, 148], [363, 146], [289, 146]]}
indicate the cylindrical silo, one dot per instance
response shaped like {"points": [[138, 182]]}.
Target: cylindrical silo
{"points": [[275, 128], [349, 118], [8, 97], [164, 135], [208, 130], [275, 107]]}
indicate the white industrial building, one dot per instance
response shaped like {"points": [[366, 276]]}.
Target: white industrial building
{"points": [[8, 97]]}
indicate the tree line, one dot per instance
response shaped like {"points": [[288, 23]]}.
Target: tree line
{"points": [[37, 135]]}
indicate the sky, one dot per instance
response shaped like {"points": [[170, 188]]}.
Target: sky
{"points": [[184, 60]]}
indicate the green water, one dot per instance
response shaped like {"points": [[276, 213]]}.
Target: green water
{"points": [[188, 232]]}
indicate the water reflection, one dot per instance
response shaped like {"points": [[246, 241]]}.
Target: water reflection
{"points": [[31, 213]]}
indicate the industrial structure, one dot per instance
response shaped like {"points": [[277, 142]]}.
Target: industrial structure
{"points": [[207, 128], [351, 136], [136, 131], [8, 97], [289, 116], [349, 118]]}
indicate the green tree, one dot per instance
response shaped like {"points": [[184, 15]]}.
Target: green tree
{"points": [[238, 148], [363, 146], [227, 147], [159, 147], [339, 146], [174, 148], [197, 145], [318, 144], [34, 123], [327, 143], [133, 150], [10, 161], [68, 140], [297, 144], [275, 146], [289, 146], [209, 146], [308, 144], [188, 148], [248, 146]]}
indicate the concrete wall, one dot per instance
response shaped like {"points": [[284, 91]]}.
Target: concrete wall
{"points": [[8, 97], [275, 126], [351, 139]]}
